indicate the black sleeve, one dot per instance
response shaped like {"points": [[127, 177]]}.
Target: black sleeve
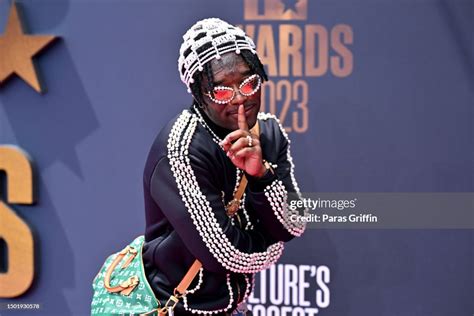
{"points": [[181, 185], [271, 196]]}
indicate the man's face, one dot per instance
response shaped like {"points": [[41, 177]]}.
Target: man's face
{"points": [[230, 70]]}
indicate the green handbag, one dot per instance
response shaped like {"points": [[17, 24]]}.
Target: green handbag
{"points": [[127, 291]]}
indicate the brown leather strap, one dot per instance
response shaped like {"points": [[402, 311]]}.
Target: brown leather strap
{"points": [[241, 189], [127, 286], [255, 129], [189, 277]]}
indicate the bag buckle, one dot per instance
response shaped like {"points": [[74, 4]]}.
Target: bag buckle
{"points": [[169, 306], [232, 207]]}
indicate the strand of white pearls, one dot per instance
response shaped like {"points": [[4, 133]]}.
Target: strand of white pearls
{"points": [[215, 138], [252, 281], [198, 286], [238, 173], [200, 311], [200, 209], [277, 196], [248, 225], [266, 116], [248, 288]]}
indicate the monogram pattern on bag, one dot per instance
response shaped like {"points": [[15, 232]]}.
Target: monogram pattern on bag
{"points": [[140, 300]]}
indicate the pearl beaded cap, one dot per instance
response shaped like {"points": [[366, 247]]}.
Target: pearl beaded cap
{"points": [[223, 37]]}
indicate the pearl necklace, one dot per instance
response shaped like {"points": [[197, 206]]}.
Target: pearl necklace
{"points": [[215, 138], [239, 172]]}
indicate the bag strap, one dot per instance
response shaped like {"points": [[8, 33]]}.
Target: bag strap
{"points": [[127, 286], [197, 265], [188, 278]]}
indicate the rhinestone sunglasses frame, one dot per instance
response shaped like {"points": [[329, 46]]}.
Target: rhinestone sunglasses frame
{"points": [[244, 82]]}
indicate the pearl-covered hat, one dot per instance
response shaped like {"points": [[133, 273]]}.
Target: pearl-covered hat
{"points": [[206, 40]]}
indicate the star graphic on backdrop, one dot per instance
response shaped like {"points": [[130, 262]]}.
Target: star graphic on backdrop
{"points": [[290, 5], [17, 50]]}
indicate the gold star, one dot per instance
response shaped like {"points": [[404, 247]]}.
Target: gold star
{"points": [[17, 50]]}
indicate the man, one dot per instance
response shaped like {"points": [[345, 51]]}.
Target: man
{"points": [[195, 167]]}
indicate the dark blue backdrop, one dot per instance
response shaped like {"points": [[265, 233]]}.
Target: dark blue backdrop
{"points": [[401, 121]]}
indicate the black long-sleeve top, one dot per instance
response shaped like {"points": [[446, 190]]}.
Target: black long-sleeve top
{"points": [[188, 180]]}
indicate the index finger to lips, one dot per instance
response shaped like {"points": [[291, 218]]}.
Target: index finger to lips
{"points": [[241, 119]]}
